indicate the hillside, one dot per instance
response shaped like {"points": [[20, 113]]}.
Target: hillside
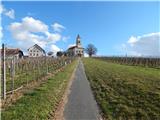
{"points": [[124, 92]]}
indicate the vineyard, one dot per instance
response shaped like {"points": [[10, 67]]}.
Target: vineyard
{"points": [[40, 103], [124, 92], [20, 72], [135, 61]]}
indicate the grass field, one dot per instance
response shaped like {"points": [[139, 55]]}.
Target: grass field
{"points": [[40, 102], [124, 92]]}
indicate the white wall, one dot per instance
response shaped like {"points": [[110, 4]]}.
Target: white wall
{"points": [[34, 52]]}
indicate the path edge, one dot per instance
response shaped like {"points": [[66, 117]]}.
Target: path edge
{"points": [[58, 114]]}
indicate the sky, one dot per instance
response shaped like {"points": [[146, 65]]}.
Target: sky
{"points": [[115, 28]]}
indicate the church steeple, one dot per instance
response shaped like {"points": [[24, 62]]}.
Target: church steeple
{"points": [[78, 41]]}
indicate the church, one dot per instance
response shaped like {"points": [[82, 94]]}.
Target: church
{"points": [[76, 50]]}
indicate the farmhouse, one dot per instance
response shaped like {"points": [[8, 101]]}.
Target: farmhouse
{"points": [[36, 51], [16, 53], [76, 50]]}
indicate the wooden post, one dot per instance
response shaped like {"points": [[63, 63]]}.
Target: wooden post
{"points": [[46, 64], [12, 74], [3, 73], [27, 71]]}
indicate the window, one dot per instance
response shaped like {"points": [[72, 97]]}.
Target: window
{"points": [[30, 50], [37, 54]]}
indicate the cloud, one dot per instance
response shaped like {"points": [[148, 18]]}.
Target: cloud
{"points": [[25, 32], [65, 38], [145, 45], [54, 37], [29, 24], [32, 31], [33, 25], [132, 40], [55, 49], [57, 27], [10, 13]]}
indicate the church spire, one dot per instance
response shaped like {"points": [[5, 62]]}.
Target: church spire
{"points": [[78, 37], [78, 41]]}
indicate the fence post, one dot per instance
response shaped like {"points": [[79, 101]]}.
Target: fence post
{"points": [[3, 73], [46, 64], [12, 73]]}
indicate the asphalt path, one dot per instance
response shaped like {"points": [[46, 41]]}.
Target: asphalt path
{"points": [[81, 104]]}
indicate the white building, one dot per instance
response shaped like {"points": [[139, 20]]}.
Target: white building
{"points": [[76, 50], [36, 51]]}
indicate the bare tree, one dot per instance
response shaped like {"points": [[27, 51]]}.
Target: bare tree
{"points": [[91, 50]]}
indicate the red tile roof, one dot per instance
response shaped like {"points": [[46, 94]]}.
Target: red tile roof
{"points": [[9, 52], [72, 47]]}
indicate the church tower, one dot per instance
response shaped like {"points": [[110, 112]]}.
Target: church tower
{"points": [[76, 50], [78, 41]]}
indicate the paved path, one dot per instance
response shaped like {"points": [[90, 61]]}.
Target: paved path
{"points": [[81, 104]]}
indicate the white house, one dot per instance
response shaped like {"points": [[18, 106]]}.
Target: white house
{"points": [[36, 51], [76, 50]]}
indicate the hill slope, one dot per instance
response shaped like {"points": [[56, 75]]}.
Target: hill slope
{"points": [[124, 92]]}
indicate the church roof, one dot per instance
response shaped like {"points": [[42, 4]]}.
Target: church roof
{"points": [[72, 47]]}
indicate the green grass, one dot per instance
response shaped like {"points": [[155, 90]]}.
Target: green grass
{"points": [[40, 102], [124, 92]]}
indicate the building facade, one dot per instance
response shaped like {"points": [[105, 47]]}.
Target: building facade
{"points": [[36, 51], [76, 50]]}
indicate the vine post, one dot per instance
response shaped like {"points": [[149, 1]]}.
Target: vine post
{"points": [[3, 75]]}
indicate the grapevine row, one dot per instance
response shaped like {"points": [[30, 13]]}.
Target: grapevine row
{"points": [[22, 71], [135, 61]]}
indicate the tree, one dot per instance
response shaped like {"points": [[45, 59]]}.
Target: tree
{"points": [[59, 53], [91, 50], [65, 53], [50, 53]]}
